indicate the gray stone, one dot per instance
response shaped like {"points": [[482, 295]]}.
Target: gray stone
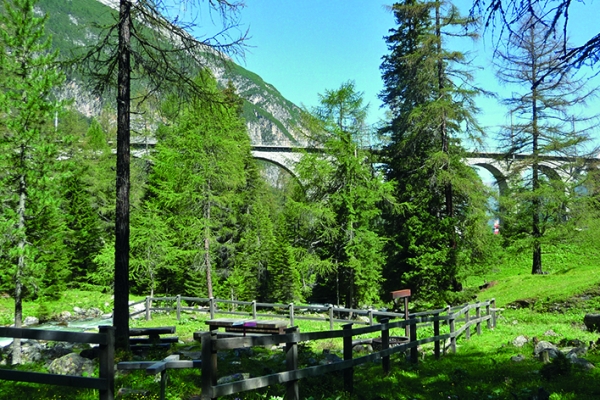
{"points": [[520, 341], [72, 364], [576, 352], [582, 363], [517, 358], [550, 332], [28, 321], [544, 346], [233, 378]]}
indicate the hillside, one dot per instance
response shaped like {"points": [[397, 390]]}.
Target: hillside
{"points": [[74, 24]]}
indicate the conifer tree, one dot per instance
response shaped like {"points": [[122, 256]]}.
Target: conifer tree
{"points": [[544, 124], [28, 144], [431, 102], [343, 194]]}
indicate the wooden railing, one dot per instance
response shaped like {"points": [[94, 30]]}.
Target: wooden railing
{"points": [[253, 310], [105, 338], [211, 345]]}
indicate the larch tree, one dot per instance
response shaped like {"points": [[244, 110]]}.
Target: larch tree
{"points": [[148, 41], [547, 107], [344, 193], [29, 145], [427, 89]]}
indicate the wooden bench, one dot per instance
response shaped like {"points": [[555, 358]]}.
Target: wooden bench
{"points": [[153, 338], [252, 326]]}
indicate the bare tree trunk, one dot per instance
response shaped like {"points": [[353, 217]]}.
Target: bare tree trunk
{"points": [[121, 303], [536, 265], [16, 346], [207, 264]]}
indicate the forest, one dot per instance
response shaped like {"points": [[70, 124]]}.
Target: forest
{"points": [[355, 223]]}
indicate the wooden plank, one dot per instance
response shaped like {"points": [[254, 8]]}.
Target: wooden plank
{"points": [[171, 339], [161, 365], [56, 336], [399, 294], [151, 331], [178, 364], [52, 379]]}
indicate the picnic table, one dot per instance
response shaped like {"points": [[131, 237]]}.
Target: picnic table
{"points": [[254, 326], [153, 334]]}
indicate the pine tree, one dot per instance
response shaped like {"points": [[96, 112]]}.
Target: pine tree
{"points": [[29, 143]]}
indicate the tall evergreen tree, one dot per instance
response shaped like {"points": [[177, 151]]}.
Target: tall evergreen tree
{"points": [[198, 168], [344, 194], [28, 144], [432, 108], [544, 124]]}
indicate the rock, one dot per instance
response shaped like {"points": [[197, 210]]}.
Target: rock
{"points": [[520, 341], [233, 378], [28, 321], [592, 322], [72, 364], [550, 332], [517, 358], [64, 316], [544, 346], [576, 352], [582, 363]]}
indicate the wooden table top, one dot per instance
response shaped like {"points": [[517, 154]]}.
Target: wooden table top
{"points": [[258, 323]]}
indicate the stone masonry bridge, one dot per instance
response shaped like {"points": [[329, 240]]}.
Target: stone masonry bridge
{"points": [[286, 156]]}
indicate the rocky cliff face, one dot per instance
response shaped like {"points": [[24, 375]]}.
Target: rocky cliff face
{"points": [[271, 119]]}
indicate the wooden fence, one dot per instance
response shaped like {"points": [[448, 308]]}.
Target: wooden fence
{"points": [[211, 345], [105, 338], [254, 309]]}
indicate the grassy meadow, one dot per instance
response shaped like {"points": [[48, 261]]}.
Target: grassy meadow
{"points": [[543, 307]]}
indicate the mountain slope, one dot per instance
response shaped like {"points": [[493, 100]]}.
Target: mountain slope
{"points": [[271, 119]]}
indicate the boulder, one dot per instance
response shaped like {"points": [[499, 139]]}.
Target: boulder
{"points": [[520, 341], [72, 364], [543, 346], [592, 322], [28, 321]]}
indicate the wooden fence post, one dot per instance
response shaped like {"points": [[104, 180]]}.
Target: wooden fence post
{"points": [[493, 313], [468, 330], [291, 306], [414, 351], [447, 322], [385, 344], [148, 305], [487, 312], [436, 332], [211, 307], [178, 307], [107, 362], [478, 316], [253, 309], [348, 372], [291, 362], [370, 317], [451, 321], [331, 317], [209, 364]]}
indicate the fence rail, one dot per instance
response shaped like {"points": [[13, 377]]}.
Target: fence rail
{"points": [[106, 340], [211, 344], [290, 311]]}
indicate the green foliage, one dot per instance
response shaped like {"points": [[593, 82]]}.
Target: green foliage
{"points": [[439, 229]]}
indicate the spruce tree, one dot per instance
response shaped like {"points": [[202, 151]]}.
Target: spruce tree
{"points": [[426, 89]]}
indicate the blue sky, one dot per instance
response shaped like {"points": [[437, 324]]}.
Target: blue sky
{"points": [[303, 47]]}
